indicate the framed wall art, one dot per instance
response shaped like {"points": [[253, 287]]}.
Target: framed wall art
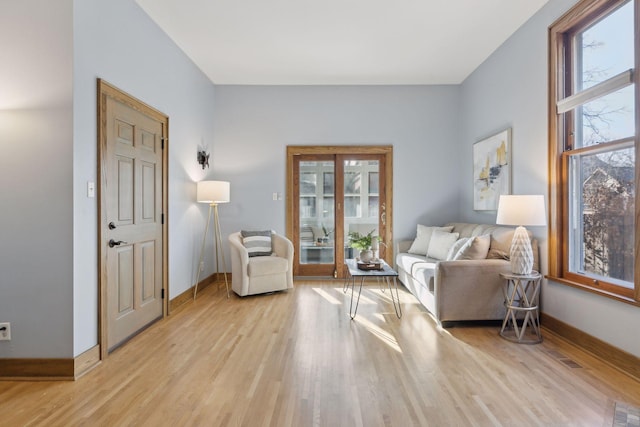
{"points": [[491, 170]]}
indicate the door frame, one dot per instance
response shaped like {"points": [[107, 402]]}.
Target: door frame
{"points": [[106, 90], [345, 150]]}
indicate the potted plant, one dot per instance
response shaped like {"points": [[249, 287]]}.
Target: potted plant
{"points": [[324, 240], [362, 242]]}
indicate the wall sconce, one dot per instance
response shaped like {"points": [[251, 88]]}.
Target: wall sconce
{"points": [[203, 158]]}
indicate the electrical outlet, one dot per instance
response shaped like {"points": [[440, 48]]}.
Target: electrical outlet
{"points": [[5, 331], [202, 266]]}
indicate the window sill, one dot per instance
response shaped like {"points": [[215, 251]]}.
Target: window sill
{"points": [[596, 291]]}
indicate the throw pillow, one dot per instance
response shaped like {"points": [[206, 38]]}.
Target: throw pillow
{"points": [[500, 247], [258, 243], [440, 243], [423, 236], [475, 248], [455, 248]]}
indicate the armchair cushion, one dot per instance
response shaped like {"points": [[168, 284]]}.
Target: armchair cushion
{"points": [[258, 243], [262, 266]]}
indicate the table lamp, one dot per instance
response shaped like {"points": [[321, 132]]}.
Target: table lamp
{"points": [[521, 210]]}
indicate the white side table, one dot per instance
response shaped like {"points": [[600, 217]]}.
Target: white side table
{"points": [[521, 295]]}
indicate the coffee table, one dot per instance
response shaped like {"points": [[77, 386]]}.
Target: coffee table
{"points": [[386, 273]]}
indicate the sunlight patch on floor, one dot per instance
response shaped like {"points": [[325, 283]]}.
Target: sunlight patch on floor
{"points": [[363, 298], [379, 333], [404, 297], [324, 294]]}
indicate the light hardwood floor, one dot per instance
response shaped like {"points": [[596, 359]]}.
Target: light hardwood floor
{"points": [[296, 359]]}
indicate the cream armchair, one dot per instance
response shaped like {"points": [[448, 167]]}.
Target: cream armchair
{"points": [[260, 274]]}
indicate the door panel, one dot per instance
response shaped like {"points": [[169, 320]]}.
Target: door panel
{"points": [[124, 286], [132, 184], [315, 223], [149, 251], [363, 200]]}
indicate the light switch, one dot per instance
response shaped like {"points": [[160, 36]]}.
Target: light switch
{"points": [[91, 189], [275, 196]]}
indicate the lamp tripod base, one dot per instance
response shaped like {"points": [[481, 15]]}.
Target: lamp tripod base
{"points": [[218, 248]]}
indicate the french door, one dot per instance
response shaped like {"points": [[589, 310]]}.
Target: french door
{"points": [[332, 191]]}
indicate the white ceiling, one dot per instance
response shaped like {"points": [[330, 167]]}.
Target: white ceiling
{"points": [[274, 42]]}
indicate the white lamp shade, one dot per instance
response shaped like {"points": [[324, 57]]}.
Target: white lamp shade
{"points": [[213, 192], [521, 210]]}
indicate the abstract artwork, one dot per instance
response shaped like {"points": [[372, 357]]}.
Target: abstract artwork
{"points": [[491, 170]]}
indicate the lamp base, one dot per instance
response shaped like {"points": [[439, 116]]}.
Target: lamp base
{"points": [[521, 253]]}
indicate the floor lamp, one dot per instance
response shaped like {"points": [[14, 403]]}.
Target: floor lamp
{"points": [[214, 193]]}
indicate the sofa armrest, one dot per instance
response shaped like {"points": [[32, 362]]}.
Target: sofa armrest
{"points": [[470, 289], [402, 246]]}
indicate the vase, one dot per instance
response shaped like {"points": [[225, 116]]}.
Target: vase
{"points": [[366, 255]]}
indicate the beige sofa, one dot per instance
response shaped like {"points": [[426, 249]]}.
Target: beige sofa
{"points": [[461, 289]]}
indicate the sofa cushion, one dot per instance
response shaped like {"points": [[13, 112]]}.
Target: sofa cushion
{"points": [[424, 272], [440, 243], [420, 245], [405, 261], [475, 248], [258, 243], [265, 265]]}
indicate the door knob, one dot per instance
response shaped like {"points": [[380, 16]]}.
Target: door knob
{"points": [[113, 243]]}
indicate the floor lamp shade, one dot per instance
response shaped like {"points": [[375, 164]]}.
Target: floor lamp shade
{"points": [[522, 211], [213, 192]]}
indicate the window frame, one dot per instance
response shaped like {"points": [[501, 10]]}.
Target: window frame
{"points": [[561, 129]]}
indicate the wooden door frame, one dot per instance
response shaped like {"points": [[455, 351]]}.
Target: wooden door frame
{"points": [[387, 185], [106, 90]]}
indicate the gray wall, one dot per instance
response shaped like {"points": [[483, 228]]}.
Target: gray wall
{"points": [[510, 90], [36, 217], [52, 53], [254, 124], [115, 40]]}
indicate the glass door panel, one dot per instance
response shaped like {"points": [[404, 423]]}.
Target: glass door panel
{"points": [[316, 245], [361, 200]]}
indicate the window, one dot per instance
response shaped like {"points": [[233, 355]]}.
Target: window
{"points": [[593, 109]]}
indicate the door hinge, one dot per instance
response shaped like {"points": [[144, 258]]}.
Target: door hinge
{"points": [[162, 143], [162, 293], [162, 219]]}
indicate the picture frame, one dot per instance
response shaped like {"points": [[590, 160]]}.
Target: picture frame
{"points": [[491, 170]]}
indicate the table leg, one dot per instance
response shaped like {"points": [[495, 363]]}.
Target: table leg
{"points": [[396, 306], [352, 312]]}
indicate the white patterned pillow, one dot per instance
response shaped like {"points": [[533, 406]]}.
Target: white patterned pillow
{"points": [[258, 243], [456, 247]]}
